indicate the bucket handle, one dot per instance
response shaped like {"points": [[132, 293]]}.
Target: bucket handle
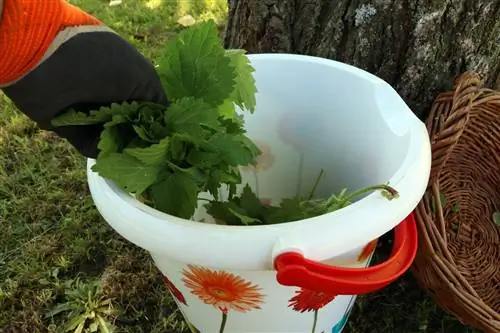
{"points": [[295, 270]]}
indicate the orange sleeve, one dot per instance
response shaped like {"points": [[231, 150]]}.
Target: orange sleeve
{"points": [[27, 29]]}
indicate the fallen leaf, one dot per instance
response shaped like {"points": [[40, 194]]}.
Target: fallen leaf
{"points": [[115, 3], [186, 21]]}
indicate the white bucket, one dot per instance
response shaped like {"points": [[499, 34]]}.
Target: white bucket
{"points": [[312, 114]]}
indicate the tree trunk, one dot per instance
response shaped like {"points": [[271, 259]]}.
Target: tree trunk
{"points": [[418, 46]]}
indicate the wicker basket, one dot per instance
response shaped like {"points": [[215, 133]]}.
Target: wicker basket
{"points": [[459, 256]]}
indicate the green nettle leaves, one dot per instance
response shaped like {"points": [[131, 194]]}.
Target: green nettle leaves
{"points": [[245, 89], [167, 155], [127, 171], [177, 192], [195, 65], [153, 155], [247, 209], [103, 115]]}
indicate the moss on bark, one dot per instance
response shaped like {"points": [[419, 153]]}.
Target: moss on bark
{"points": [[418, 46]]}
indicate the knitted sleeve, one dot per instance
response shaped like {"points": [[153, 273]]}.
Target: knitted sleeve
{"points": [[31, 30]]}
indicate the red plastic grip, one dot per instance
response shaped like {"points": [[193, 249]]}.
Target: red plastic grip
{"points": [[295, 270]]}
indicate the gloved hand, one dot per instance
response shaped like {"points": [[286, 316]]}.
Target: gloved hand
{"points": [[54, 56]]}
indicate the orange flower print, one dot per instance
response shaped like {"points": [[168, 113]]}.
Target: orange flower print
{"points": [[222, 290], [307, 300], [175, 292], [367, 250], [297, 129], [264, 161], [266, 202], [286, 130]]}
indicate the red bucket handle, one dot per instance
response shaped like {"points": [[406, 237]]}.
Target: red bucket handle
{"points": [[295, 270]]}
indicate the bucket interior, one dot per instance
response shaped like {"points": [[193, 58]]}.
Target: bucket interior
{"points": [[319, 115]]}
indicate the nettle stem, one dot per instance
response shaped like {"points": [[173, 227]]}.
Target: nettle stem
{"points": [[387, 191], [315, 186]]}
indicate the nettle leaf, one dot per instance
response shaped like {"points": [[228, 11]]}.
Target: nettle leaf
{"points": [[110, 141], [187, 115], [155, 154], [229, 118], [288, 211], [73, 118], [250, 145], [150, 111], [243, 210], [219, 211], [227, 109], [125, 109], [179, 147], [229, 175], [234, 126], [245, 88], [142, 133], [194, 64], [149, 115], [203, 159], [126, 171], [116, 120], [223, 175], [233, 148], [230, 213], [244, 219], [176, 194], [149, 123], [158, 131], [250, 202], [104, 114]]}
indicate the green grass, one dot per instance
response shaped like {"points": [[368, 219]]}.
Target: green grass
{"points": [[55, 249]]}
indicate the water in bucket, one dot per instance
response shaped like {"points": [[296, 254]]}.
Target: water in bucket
{"points": [[312, 114]]}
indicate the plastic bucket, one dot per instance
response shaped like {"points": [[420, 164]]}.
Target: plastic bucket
{"points": [[302, 276]]}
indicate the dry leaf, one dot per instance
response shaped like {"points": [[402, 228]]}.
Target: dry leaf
{"points": [[115, 3], [186, 21]]}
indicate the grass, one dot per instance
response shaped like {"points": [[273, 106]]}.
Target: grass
{"points": [[59, 260]]}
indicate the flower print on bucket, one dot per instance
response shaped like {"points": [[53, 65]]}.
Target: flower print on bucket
{"points": [[264, 161], [266, 201], [310, 301], [174, 291], [223, 290], [297, 129]]}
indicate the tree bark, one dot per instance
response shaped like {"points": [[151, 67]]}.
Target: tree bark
{"points": [[418, 46]]}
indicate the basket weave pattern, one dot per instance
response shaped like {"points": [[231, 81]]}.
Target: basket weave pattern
{"points": [[459, 256]]}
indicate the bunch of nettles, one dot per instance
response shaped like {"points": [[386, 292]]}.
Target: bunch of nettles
{"points": [[167, 155]]}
